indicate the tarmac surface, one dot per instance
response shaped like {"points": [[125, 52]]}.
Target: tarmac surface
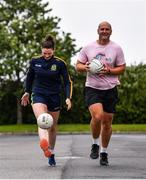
{"points": [[21, 158]]}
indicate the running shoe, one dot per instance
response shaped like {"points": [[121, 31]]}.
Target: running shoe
{"points": [[104, 159], [51, 160], [45, 147], [94, 151]]}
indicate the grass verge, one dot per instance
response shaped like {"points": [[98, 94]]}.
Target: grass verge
{"points": [[73, 128]]}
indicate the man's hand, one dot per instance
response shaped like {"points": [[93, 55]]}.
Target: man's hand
{"points": [[105, 70], [81, 67], [87, 68], [68, 103], [25, 99]]}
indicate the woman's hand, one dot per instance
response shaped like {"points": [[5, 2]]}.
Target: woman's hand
{"points": [[25, 99], [68, 103]]}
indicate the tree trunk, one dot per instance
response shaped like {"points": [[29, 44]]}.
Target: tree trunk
{"points": [[19, 112]]}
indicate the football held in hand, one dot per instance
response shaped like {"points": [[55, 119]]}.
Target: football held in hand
{"points": [[95, 66]]}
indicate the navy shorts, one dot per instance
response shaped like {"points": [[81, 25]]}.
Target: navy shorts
{"points": [[108, 98], [53, 101]]}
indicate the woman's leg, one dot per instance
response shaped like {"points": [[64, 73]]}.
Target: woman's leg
{"points": [[39, 108], [53, 130], [52, 137]]}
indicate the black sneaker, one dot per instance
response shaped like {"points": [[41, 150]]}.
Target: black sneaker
{"points": [[104, 159], [94, 151]]}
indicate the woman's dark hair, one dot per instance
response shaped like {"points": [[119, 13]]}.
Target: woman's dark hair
{"points": [[48, 42]]}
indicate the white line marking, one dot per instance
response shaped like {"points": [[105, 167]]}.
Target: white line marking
{"points": [[69, 157]]}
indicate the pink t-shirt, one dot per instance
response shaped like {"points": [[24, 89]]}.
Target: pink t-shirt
{"points": [[110, 54]]}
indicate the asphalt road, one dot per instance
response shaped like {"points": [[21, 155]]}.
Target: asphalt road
{"points": [[21, 158]]}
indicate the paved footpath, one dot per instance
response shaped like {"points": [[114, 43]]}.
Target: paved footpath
{"points": [[20, 158]]}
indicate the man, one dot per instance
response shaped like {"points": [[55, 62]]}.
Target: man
{"points": [[101, 89]]}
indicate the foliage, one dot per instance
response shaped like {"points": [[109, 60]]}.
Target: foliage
{"points": [[131, 108]]}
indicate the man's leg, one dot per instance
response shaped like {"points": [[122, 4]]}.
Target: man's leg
{"points": [[106, 129], [106, 132], [96, 111]]}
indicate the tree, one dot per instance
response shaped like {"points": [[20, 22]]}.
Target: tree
{"points": [[23, 24]]}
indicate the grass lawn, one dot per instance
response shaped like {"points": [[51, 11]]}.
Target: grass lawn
{"points": [[73, 128]]}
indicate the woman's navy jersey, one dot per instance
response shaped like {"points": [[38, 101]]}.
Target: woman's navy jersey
{"points": [[44, 77]]}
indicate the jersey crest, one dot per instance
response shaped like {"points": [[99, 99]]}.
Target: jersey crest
{"points": [[53, 67]]}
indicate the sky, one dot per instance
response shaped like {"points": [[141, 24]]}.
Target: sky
{"points": [[127, 17]]}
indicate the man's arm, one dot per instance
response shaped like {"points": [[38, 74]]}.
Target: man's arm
{"points": [[81, 67], [115, 70], [118, 70]]}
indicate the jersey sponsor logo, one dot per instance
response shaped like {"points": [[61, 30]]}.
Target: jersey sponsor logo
{"points": [[38, 65], [53, 67], [101, 56]]}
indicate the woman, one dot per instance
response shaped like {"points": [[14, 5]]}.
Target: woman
{"points": [[43, 83]]}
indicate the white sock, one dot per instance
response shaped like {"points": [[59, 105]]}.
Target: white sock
{"points": [[103, 150], [51, 150], [95, 141]]}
